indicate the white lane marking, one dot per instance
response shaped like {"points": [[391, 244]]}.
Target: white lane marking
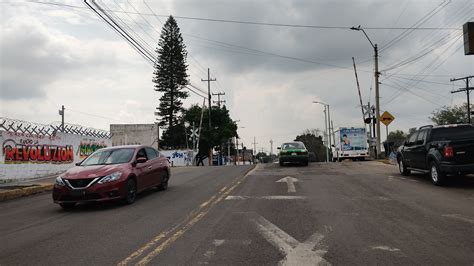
{"points": [[459, 218], [296, 253], [386, 248], [290, 182], [266, 197], [212, 250], [382, 198], [218, 242]]}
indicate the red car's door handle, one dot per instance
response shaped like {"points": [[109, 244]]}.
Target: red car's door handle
{"points": [[149, 167]]}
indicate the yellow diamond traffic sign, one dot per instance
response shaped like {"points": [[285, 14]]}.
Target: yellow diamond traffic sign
{"points": [[386, 118]]}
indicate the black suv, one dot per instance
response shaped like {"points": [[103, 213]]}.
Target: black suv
{"points": [[438, 150]]}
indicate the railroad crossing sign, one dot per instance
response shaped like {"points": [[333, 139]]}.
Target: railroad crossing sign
{"points": [[386, 118], [194, 133]]}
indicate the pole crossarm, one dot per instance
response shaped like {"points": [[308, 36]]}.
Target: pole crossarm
{"points": [[467, 89]]}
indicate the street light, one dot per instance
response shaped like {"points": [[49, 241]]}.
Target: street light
{"points": [[327, 121], [377, 95]]}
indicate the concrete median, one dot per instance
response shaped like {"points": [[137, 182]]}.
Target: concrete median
{"points": [[14, 192]]}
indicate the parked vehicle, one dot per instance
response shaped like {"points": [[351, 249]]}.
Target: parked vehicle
{"points": [[350, 143], [293, 152], [115, 173], [439, 151]]}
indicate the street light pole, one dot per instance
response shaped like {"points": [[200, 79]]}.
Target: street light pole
{"points": [[377, 93], [326, 126], [327, 123]]}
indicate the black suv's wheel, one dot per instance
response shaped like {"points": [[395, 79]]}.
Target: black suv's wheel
{"points": [[402, 167], [437, 177], [67, 205], [281, 163], [164, 182], [131, 190]]}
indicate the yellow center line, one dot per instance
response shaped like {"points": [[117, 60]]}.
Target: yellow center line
{"points": [[185, 225]]}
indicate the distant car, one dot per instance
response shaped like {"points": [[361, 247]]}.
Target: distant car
{"points": [[115, 173], [293, 152], [439, 151]]}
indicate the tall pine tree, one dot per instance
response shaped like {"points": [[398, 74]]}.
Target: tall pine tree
{"points": [[170, 78]]}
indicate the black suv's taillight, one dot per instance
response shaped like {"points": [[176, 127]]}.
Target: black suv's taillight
{"points": [[448, 152]]}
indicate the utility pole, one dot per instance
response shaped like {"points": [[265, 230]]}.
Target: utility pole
{"points": [[61, 113], [228, 150], [377, 94], [271, 147], [329, 126], [208, 80], [377, 98], [467, 89], [219, 98], [254, 149], [237, 150], [326, 125]]}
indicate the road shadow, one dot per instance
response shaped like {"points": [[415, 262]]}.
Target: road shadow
{"points": [[109, 205], [453, 182]]}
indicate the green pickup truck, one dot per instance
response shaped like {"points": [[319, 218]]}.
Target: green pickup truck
{"points": [[293, 152]]}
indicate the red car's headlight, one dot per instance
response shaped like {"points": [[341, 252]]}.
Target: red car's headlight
{"points": [[110, 178]]}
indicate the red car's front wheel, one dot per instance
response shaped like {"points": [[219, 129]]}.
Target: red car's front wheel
{"points": [[131, 191]]}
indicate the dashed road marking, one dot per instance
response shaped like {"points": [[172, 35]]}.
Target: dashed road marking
{"points": [[459, 218], [266, 197], [385, 248]]}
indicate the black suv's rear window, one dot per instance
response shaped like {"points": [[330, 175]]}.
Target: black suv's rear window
{"points": [[452, 133]]}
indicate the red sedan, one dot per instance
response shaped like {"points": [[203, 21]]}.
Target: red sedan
{"points": [[115, 173]]}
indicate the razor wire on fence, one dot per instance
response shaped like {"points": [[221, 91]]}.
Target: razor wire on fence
{"points": [[15, 125]]}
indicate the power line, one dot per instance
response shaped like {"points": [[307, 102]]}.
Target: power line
{"points": [[416, 81], [416, 25], [258, 23]]}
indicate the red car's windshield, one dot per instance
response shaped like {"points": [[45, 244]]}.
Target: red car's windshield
{"points": [[115, 156]]}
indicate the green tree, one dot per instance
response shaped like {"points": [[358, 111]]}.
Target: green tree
{"points": [[450, 115], [396, 137], [170, 78], [314, 143], [223, 128]]}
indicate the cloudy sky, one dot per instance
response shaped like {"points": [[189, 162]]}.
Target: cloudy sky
{"points": [[63, 54]]}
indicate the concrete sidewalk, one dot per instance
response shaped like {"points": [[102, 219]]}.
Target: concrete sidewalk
{"points": [[22, 188]]}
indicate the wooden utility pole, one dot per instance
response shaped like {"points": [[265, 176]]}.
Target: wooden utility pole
{"points": [[254, 149], [467, 89], [61, 113], [219, 98], [208, 80]]}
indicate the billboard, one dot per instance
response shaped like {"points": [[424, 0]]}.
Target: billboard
{"points": [[353, 139]]}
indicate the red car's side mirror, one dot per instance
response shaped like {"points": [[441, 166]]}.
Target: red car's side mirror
{"points": [[141, 160]]}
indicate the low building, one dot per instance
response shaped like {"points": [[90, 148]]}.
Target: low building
{"points": [[141, 134]]}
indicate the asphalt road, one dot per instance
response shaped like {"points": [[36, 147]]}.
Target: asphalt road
{"points": [[350, 213]]}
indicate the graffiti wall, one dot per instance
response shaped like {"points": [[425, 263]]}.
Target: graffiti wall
{"points": [[179, 157], [25, 155]]}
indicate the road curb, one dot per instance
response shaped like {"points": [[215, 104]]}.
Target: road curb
{"points": [[26, 191]]}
